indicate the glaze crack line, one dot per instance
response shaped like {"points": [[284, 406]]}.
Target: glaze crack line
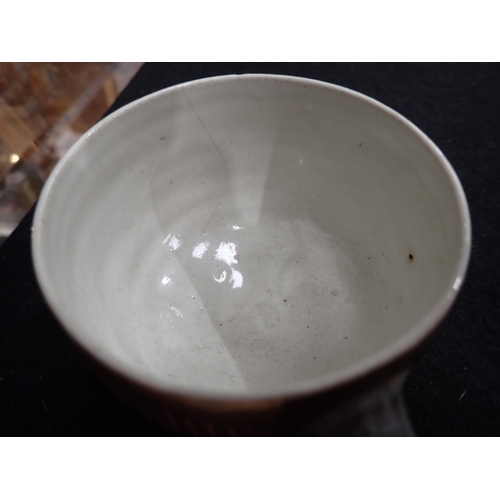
{"points": [[220, 154]]}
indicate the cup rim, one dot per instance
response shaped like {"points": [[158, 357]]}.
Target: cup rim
{"points": [[408, 343]]}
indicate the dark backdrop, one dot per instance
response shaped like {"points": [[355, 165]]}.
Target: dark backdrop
{"points": [[46, 389]]}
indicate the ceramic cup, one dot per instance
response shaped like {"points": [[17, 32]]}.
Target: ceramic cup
{"points": [[254, 254]]}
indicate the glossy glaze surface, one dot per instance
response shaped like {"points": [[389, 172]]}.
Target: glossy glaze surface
{"points": [[251, 236]]}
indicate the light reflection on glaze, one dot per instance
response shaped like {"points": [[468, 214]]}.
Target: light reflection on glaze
{"points": [[222, 277], [174, 242], [236, 278], [200, 249], [176, 311], [226, 253]]}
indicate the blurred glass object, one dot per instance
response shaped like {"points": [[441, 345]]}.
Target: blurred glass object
{"points": [[44, 109]]}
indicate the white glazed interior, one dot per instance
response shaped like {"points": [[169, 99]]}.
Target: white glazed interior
{"points": [[251, 235]]}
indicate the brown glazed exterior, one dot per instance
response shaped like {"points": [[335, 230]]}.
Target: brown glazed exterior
{"points": [[368, 405]]}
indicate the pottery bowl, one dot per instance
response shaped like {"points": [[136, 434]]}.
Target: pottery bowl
{"points": [[225, 248]]}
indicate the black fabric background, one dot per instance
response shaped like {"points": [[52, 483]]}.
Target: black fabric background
{"points": [[46, 389]]}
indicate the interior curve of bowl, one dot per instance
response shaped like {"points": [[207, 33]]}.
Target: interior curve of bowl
{"points": [[251, 235]]}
